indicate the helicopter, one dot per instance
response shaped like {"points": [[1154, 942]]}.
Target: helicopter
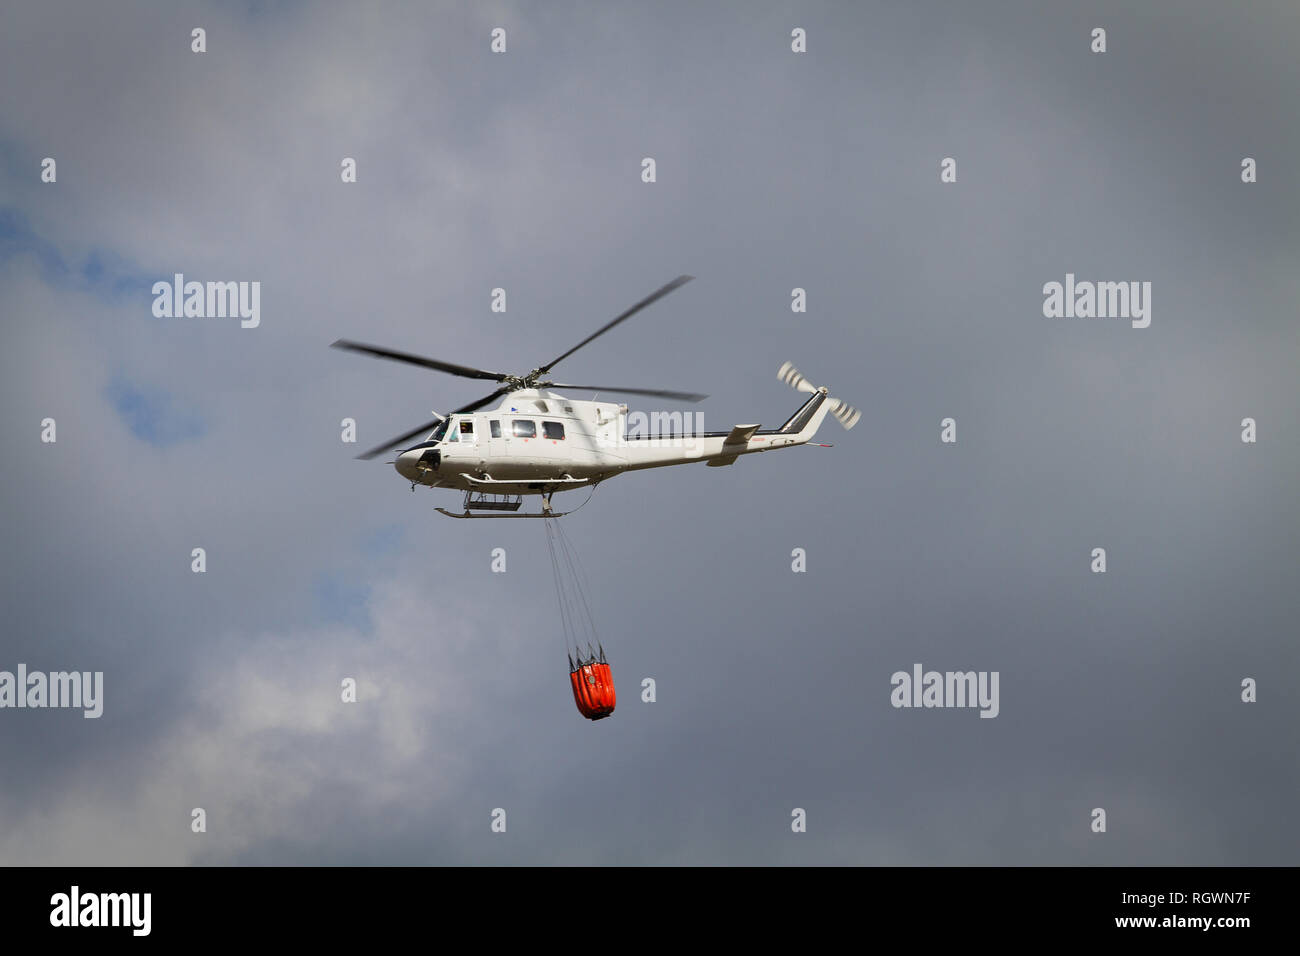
{"points": [[537, 441]]}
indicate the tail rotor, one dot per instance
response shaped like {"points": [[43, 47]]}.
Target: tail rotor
{"points": [[844, 413]]}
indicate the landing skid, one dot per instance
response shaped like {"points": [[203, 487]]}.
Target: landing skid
{"points": [[479, 501], [539, 514]]}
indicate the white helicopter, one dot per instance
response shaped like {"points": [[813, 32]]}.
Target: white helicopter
{"points": [[538, 442]]}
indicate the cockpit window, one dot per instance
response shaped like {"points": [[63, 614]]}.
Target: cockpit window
{"points": [[440, 430], [466, 427]]}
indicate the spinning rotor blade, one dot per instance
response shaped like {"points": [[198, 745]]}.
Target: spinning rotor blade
{"points": [[653, 392], [473, 406], [429, 426], [463, 370], [846, 414], [380, 449], [792, 377], [652, 297]]}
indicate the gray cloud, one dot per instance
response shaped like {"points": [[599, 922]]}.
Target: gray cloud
{"points": [[775, 171]]}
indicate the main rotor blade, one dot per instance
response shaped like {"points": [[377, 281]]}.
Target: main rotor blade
{"points": [[481, 402], [462, 370], [380, 449], [429, 426], [654, 392], [652, 297]]}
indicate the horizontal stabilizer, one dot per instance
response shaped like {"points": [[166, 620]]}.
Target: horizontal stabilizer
{"points": [[739, 435]]}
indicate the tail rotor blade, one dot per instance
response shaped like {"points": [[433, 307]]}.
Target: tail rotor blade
{"points": [[845, 413], [792, 377], [848, 415]]}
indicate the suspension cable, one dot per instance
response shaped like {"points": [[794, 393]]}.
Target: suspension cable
{"points": [[560, 596], [571, 591], [581, 587]]}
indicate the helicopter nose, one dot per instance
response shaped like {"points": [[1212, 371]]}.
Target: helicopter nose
{"points": [[406, 465], [418, 463]]}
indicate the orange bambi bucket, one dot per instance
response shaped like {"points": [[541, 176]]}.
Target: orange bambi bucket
{"points": [[593, 689]]}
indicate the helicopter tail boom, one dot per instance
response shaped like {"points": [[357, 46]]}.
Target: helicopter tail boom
{"points": [[723, 448]]}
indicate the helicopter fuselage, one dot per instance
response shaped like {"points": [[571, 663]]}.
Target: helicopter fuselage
{"points": [[540, 442]]}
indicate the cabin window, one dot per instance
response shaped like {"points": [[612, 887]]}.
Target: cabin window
{"points": [[523, 428], [553, 430], [496, 428]]}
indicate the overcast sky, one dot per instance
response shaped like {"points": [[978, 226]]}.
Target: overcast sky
{"points": [[775, 170]]}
